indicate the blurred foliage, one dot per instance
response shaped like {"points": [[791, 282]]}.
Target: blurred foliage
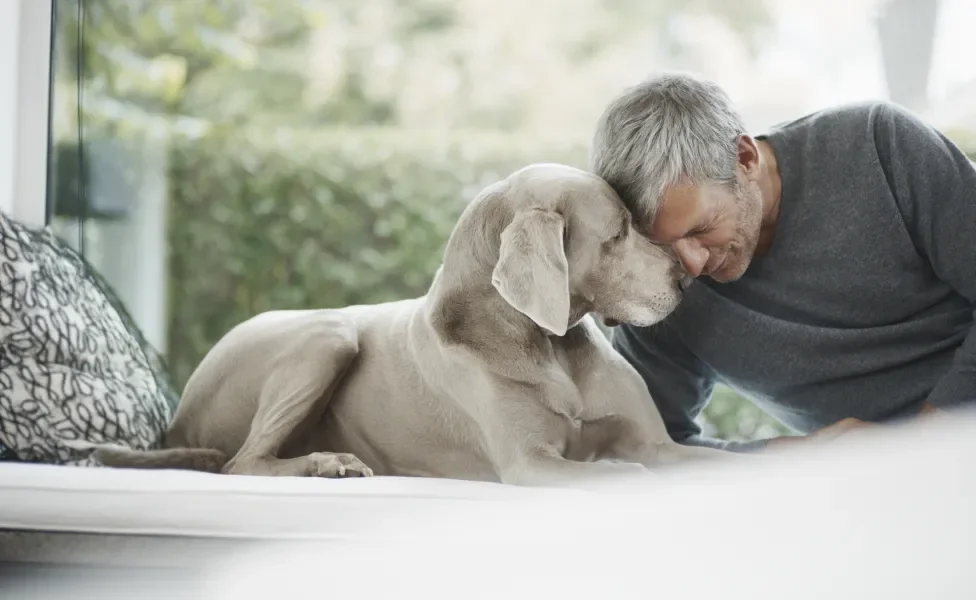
{"points": [[319, 219], [730, 416], [333, 218], [329, 218], [303, 62], [308, 168], [321, 150]]}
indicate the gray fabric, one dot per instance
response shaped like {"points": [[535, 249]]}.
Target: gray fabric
{"points": [[864, 304]]}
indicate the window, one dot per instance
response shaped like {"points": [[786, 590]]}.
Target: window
{"points": [[217, 159], [25, 38]]}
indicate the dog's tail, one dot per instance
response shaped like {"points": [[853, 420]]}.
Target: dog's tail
{"points": [[192, 459]]}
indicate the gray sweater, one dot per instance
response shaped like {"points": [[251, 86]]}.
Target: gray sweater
{"points": [[863, 306]]}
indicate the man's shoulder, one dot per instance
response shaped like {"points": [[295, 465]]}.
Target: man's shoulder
{"points": [[855, 135], [843, 119]]}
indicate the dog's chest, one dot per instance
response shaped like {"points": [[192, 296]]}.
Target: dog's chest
{"points": [[564, 396], [571, 398], [584, 433], [587, 405], [572, 428]]}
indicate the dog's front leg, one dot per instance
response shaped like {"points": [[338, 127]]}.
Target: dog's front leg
{"points": [[527, 442], [309, 367], [545, 467], [636, 440]]}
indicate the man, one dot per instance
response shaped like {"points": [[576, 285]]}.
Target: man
{"points": [[834, 257]]}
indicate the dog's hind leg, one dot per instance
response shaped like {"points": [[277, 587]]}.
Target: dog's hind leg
{"points": [[307, 368]]}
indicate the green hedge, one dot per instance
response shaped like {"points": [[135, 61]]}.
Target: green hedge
{"points": [[311, 219], [306, 219], [319, 220]]}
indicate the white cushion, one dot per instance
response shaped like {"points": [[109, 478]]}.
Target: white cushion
{"points": [[184, 503], [884, 517], [888, 517], [910, 466]]}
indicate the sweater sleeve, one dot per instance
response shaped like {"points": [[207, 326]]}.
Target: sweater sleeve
{"points": [[679, 384], [934, 185]]}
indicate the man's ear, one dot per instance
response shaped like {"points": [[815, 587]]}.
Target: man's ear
{"points": [[748, 156], [532, 273]]}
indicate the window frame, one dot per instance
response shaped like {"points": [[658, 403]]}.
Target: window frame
{"points": [[25, 100]]}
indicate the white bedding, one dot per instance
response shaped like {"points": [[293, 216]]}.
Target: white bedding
{"points": [[183, 503], [891, 517]]}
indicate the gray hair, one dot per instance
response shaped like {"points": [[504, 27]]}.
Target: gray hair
{"points": [[669, 129]]}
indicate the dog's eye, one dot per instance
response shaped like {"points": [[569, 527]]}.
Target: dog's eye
{"points": [[615, 240], [624, 229]]}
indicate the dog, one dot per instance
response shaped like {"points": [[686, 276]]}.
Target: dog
{"points": [[499, 372]]}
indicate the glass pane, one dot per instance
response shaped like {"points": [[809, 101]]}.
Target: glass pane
{"points": [[244, 156], [64, 161]]}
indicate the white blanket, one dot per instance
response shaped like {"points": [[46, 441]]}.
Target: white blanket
{"points": [[183, 503], [888, 517]]}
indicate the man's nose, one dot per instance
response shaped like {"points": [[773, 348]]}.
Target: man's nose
{"points": [[693, 256]]}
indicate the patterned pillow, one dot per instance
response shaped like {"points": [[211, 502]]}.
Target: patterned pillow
{"points": [[74, 369]]}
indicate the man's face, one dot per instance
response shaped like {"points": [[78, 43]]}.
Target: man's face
{"points": [[713, 229]]}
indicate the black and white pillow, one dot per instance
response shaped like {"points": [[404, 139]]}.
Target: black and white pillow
{"points": [[74, 368]]}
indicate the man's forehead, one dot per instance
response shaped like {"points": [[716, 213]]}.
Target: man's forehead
{"points": [[679, 212]]}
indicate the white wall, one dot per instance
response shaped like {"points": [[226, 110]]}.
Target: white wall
{"points": [[25, 55]]}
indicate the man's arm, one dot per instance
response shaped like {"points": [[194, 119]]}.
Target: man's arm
{"points": [[678, 382], [934, 185]]}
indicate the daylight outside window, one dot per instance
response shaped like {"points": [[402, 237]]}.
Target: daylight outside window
{"points": [[236, 157]]}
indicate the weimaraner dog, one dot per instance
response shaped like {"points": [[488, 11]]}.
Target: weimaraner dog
{"points": [[498, 373]]}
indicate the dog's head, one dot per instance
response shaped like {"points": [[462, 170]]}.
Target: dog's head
{"points": [[571, 248]]}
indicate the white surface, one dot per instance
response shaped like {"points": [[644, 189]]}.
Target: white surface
{"points": [[25, 58], [888, 516], [891, 519], [123, 501]]}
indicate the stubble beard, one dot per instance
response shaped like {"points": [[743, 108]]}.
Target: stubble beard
{"points": [[747, 230]]}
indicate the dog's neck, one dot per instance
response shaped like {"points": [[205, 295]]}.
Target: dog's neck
{"points": [[464, 309]]}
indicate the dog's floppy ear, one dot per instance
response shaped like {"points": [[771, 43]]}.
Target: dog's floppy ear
{"points": [[532, 273]]}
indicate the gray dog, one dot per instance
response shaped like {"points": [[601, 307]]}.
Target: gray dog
{"points": [[497, 373]]}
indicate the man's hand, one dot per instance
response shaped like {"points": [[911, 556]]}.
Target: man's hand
{"points": [[828, 433], [929, 411], [842, 427]]}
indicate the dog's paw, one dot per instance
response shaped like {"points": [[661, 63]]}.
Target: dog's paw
{"points": [[335, 465]]}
